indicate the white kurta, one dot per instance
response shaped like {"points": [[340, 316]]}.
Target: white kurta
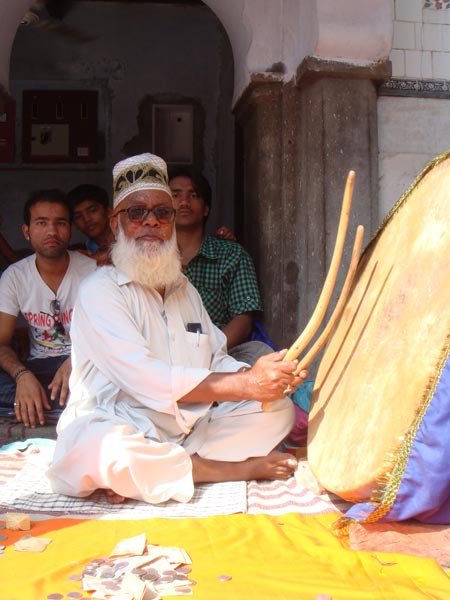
{"points": [[132, 360]]}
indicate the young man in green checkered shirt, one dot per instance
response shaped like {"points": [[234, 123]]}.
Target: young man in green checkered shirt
{"points": [[221, 270]]}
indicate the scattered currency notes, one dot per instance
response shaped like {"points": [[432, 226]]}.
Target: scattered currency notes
{"points": [[136, 570]]}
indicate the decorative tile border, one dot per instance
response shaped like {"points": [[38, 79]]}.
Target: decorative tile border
{"points": [[419, 88], [436, 4]]}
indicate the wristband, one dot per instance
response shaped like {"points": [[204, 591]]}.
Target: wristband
{"points": [[20, 372]]}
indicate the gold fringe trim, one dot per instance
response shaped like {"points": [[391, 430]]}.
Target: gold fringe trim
{"points": [[388, 483], [401, 201]]}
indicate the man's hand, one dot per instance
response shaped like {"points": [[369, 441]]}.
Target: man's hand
{"points": [[30, 400], [225, 233], [60, 382], [266, 381], [271, 377]]}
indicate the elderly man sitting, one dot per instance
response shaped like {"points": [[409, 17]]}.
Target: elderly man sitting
{"points": [[156, 403]]}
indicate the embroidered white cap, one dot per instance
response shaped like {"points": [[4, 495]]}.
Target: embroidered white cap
{"points": [[141, 172]]}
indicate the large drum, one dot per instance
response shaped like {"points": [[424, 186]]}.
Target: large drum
{"points": [[387, 359]]}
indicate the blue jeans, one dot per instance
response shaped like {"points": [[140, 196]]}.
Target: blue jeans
{"points": [[43, 368]]}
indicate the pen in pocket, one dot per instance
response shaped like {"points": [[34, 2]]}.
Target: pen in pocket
{"points": [[195, 328]]}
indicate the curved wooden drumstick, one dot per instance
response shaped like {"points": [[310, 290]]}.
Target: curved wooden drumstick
{"points": [[321, 340], [325, 296]]}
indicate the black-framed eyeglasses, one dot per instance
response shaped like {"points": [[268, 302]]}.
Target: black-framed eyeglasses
{"points": [[55, 307], [138, 214]]}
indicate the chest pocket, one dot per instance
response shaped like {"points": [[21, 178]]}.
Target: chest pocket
{"points": [[198, 350]]}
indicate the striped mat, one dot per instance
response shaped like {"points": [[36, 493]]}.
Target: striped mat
{"points": [[24, 487]]}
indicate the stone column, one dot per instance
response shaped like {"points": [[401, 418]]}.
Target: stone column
{"points": [[299, 140], [259, 186]]}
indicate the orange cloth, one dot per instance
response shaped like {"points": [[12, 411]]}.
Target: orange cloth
{"points": [[284, 557]]}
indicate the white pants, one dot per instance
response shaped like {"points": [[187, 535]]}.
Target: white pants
{"points": [[94, 452]]}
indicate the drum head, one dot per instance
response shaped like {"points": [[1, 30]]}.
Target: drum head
{"points": [[388, 345]]}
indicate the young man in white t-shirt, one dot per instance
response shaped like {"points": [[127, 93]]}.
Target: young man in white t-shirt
{"points": [[43, 288]]}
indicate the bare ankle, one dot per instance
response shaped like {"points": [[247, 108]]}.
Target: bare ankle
{"points": [[276, 465]]}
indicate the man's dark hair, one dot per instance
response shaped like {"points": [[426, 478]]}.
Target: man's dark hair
{"points": [[85, 192], [53, 196], [199, 181]]}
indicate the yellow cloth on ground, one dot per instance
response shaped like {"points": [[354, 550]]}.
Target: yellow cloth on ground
{"points": [[284, 557]]}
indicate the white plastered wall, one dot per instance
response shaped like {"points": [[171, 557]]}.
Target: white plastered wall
{"points": [[412, 131], [268, 32]]}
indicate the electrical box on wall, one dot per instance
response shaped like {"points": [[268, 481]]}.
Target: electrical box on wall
{"points": [[173, 131], [59, 126], [7, 130]]}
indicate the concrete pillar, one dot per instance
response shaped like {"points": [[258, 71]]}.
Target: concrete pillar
{"points": [[298, 142]]}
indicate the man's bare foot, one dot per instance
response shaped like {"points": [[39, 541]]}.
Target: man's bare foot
{"points": [[114, 498], [276, 465]]}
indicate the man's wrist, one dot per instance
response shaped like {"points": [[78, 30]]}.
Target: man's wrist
{"points": [[20, 372], [247, 383]]}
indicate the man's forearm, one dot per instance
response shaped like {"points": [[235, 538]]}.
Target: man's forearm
{"points": [[267, 380], [9, 361], [220, 386], [238, 329]]}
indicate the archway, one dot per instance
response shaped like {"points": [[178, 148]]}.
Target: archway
{"points": [[143, 55]]}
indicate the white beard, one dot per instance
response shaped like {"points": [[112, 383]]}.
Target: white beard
{"points": [[154, 265]]}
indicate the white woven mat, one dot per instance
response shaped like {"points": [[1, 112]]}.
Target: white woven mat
{"points": [[30, 492]]}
